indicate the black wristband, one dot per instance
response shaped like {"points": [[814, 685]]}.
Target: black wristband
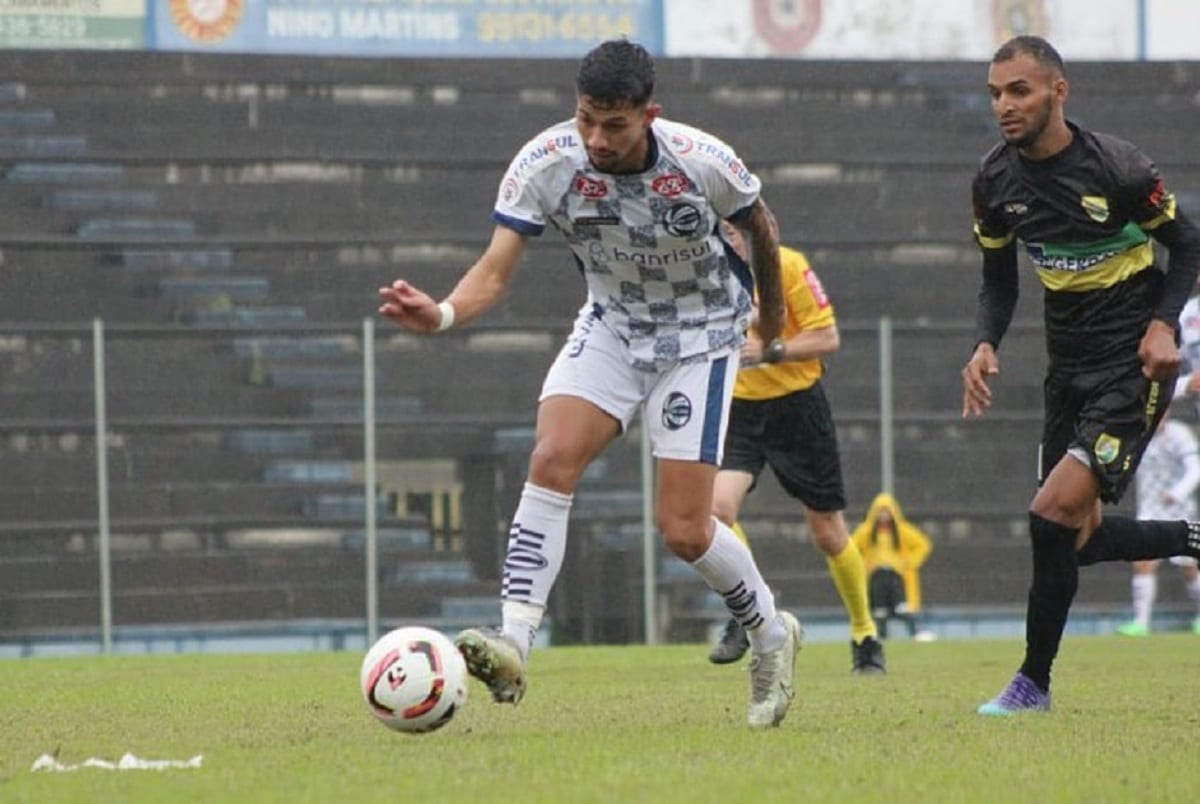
{"points": [[775, 352]]}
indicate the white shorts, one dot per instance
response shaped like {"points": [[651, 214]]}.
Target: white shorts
{"points": [[686, 405]]}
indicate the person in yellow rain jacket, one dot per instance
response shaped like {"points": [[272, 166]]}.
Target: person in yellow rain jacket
{"points": [[893, 550]]}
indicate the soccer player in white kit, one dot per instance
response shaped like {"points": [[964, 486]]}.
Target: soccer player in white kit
{"points": [[1167, 481], [1166, 489], [639, 200]]}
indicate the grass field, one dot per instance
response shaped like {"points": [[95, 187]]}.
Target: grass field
{"points": [[615, 724]]}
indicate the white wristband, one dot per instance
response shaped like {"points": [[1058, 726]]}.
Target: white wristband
{"points": [[447, 316]]}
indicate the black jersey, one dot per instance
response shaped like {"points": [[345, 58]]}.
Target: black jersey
{"points": [[1083, 216]]}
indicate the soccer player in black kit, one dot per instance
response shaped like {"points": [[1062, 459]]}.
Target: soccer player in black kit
{"points": [[1084, 205]]}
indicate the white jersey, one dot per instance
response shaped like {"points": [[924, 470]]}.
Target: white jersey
{"points": [[1189, 346], [1169, 467], [657, 273]]}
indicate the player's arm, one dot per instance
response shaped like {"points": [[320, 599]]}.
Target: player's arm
{"points": [[809, 305], [480, 288], [1181, 238], [997, 302], [1155, 211], [811, 344], [757, 225]]}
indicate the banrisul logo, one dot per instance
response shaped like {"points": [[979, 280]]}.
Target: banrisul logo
{"points": [[1096, 206]]}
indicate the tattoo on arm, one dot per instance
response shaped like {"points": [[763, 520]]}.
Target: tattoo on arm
{"points": [[763, 237]]}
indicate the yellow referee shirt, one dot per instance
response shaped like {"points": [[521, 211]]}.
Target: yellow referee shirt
{"points": [[808, 307]]}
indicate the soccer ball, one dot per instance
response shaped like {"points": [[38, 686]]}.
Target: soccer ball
{"points": [[414, 679]]}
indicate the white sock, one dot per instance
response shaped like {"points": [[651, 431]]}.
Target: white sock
{"points": [[521, 622], [1193, 588], [729, 569], [1145, 588], [537, 541]]}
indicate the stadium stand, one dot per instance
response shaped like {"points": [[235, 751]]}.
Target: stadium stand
{"points": [[230, 217]]}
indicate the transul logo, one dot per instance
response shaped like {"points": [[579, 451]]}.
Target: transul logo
{"points": [[677, 411]]}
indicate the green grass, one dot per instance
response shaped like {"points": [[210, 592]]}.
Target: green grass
{"points": [[616, 724]]}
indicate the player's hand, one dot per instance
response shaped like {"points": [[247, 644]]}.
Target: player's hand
{"points": [[1159, 354], [409, 307], [1193, 383], [752, 350], [977, 396]]}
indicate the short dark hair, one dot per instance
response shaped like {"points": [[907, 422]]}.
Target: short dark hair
{"points": [[1042, 52], [616, 71]]}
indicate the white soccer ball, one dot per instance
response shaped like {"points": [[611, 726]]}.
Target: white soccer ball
{"points": [[414, 679]]}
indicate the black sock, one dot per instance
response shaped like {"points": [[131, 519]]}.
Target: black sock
{"points": [[1120, 538], [1055, 579]]}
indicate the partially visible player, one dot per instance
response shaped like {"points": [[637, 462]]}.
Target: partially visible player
{"points": [[1085, 205], [1188, 385], [1166, 489], [638, 199], [781, 418]]}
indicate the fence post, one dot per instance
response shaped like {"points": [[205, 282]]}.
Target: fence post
{"points": [[104, 547], [887, 438], [371, 543]]}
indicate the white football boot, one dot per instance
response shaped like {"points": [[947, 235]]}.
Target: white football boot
{"points": [[771, 675]]}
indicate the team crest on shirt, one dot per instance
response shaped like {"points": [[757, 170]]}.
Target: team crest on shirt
{"points": [[1096, 206], [682, 220], [677, 411], [1106, 449]]}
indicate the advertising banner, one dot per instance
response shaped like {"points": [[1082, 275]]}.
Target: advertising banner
{"points": [[897, 29], [65, 24], [525, 28]]}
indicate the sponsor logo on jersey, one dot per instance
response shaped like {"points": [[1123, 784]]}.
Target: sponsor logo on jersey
{"points": [[1037, 254], [1156, 196], [656, 259], [670, 185], [588, 187], [677, 411], [1016, 208], [682, 143], [596, 220], [539, 152], [682, 220], [509, 189], [816, 288], [1096, 206], [739, 171], [1107, 448]]}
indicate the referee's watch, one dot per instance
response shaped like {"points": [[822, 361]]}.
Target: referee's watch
{"points": [[775, 352]]}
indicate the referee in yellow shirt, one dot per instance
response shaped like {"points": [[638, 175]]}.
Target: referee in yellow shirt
{"points": [[780, 417]]}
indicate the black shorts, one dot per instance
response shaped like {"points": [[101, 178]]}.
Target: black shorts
{"points": [[885, 590], [795, 434], [1109, 414]]}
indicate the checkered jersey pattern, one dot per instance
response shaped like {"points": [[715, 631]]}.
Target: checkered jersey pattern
{"points": [[1171, 464], [655, 268], [1189, 346]]}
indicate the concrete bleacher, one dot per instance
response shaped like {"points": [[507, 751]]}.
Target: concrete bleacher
{"points": [[231, 217]]}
